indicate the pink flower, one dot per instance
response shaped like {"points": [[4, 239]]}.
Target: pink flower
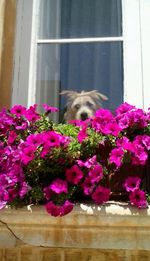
{"points": [[28, 155], [138, 198], [66, 208], [116, 156], [31, 114], [48, 108], [59, 210], [59, 186], [34, 140], [111, 128], [12, 136], [101, 195], [88, 163], [51, 139], [74, 174], [47, 193], [87, 186], [123, 108], [82, 134], [132, 183], [2, 204], [52, 209], [18, 110], [96, 173], [24, 189], [139, 156]]}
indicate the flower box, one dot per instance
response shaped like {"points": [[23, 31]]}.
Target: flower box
{"points": [[116, 231]]}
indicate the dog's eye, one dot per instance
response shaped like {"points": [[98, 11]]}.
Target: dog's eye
{"points": [[77, 106], [89, 104]]}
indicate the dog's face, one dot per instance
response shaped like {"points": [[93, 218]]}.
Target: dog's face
{"points": [[81, 106]]}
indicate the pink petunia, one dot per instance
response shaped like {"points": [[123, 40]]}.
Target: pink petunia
{"points": [[82, 135], [66, 208], [111, 128], [51, 139], [124, 107], [74, 174], [52, 209], [34, 140], [96, 173], [101, 195], [88, 163], [31, 114], [59, 186], [12, 137], [2, 204], [87, 186], [48, 108], [18, 110], [138, 198], [28, 155], [132, 183], [116, 156]]}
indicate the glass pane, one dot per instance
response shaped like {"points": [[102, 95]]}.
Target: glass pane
{"points": [[84, 66], [80, 18]]}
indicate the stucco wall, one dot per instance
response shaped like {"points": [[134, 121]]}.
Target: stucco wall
{"points": [[89, 233]]}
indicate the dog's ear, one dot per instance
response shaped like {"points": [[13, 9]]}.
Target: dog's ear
{"points": [[96, 95]]}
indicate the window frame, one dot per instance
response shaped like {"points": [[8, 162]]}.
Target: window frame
{"points": [[135, 46]]}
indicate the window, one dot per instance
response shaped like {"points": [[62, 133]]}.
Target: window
{"points": [[82, 45]]}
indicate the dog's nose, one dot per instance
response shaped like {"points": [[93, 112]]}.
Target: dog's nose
{"points": [[84, 116]]}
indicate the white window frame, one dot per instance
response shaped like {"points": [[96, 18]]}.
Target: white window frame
{"points": [[136, 54]]}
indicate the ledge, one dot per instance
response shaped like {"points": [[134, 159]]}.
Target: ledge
{"points": [[112, 226]]}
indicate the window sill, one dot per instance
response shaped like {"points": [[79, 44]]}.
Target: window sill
{"points": [[112, 226]]}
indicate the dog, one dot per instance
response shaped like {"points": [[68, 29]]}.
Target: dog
{"points": [[82, 105]]}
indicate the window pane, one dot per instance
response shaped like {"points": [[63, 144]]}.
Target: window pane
{"points": [[84, 66], [79, 18]]}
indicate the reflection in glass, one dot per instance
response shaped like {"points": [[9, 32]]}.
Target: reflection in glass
{"points": [[79, 18]]}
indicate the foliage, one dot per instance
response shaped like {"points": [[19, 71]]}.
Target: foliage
{"points": [[60, 164]]}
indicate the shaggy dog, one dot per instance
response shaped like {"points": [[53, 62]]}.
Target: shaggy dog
{"points": [[81, 106]]}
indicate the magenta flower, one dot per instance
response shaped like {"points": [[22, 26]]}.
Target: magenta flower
{"points": [[138, 198], [59, 186], [59, 210], [31, 114], [34, 140], [24, 189], [96, 173], [12, 136], [139, 156], [132, 183], [125, 107], [143, 140], [82, 134], [18, 110], [87, 186], [47, 193], [88, 163], [74, 174], [66, 208], [2, 204], [111, 128], [51, 139], [116, 156], [28, 155], [48, 108], [52, 209], [104, 115], [101, 195]]}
